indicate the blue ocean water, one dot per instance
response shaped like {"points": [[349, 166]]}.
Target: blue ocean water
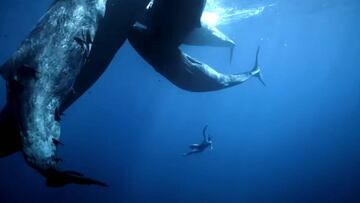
{"points": [[295, 140]]}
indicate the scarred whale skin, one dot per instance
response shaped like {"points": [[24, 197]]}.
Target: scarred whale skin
{"points": [[111, 25], [42, 73], [111, 33]]}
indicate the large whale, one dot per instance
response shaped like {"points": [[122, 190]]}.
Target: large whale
{"points": [[41, 74], [65, 54]]}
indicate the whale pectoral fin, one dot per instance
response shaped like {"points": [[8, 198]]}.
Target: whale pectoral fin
{"points": [[208, 35], [56, 178]]}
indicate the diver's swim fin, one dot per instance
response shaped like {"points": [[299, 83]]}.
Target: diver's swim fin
{"points": [[256, 70], [55, 178]]}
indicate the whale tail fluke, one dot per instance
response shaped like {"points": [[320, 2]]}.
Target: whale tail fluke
{"points": [[55, 178], [256, 71]]}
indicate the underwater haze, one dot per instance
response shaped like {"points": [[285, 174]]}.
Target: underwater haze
{"points": [[297, 140]]}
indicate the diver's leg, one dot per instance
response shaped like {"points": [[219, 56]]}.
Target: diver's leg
{"points": [[194, 146], [191, 152], [204, 133], [187, 153]]}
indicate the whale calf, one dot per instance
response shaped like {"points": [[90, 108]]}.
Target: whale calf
{"points": [[158, 43]]}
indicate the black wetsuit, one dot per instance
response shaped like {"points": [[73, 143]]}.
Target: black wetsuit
{"points": [[197, 148]]}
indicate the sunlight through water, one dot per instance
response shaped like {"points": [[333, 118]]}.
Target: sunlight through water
{"points": [[217, 13]]}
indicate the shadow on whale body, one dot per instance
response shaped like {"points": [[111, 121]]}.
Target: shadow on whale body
{"points": [[9, 137]]}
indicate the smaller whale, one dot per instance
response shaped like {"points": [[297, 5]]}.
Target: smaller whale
{"points": [[162, 51]]}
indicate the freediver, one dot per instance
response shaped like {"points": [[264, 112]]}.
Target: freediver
{"points": [[197, 148]]}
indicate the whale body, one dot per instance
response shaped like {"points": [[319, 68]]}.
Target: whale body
{"points": [[158, 41], [110, 22], [66, 53], [40, 75]]}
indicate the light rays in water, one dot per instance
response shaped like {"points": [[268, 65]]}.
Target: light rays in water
{"points": [[217, 13]]}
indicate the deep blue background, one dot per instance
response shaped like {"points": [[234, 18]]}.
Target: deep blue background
{"points": [[296, 140]]}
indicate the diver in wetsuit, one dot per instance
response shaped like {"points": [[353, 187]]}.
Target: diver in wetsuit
{"points": [[197, 148]]}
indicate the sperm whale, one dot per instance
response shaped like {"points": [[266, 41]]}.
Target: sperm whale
{"points": [[164, 31], [66, 53], [41, 73]]}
